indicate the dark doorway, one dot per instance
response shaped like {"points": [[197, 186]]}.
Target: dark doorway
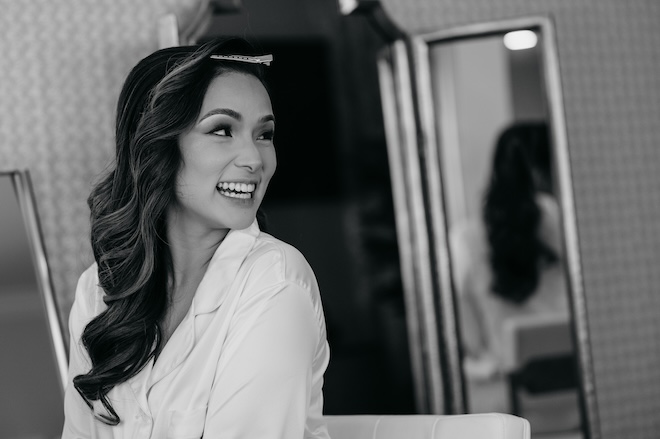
{"points": [[331, 195]]}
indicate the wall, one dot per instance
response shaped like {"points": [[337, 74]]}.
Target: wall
{"points": [[480, 93], [61, 69], [609, 54]]}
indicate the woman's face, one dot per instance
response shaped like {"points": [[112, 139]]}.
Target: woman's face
{"points": [[228, 156]]}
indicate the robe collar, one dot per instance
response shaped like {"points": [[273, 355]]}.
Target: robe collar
{"points": [[223, 267]]}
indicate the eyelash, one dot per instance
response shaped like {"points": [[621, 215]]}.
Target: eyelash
{"points": [[225, 128], [266, 135]]}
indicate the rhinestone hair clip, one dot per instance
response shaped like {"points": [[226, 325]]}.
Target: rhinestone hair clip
{"points": [[263, 59]]}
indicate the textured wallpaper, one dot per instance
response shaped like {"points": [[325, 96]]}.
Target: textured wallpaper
{"points": [[62, 65], [609, 55]]}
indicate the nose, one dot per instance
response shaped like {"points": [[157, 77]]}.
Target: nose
{"points": [[249, 157]]}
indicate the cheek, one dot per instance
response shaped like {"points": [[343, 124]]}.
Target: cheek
{"points": [[200, 168], [191, 181], [269, 159], [183, 186]]}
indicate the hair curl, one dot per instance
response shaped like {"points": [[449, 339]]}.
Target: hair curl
{"points": [[160, 100], [511, 212]]}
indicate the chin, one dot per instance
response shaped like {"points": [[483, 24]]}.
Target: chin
{"points": [[240, 223], [243, 225]]}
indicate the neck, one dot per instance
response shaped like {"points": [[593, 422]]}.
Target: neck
{"points": [[192, 248]]}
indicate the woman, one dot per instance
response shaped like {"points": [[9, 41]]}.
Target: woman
{"points": [[193, 322], [507, 263]]}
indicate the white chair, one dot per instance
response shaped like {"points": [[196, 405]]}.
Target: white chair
{"points": [[475, 426]]}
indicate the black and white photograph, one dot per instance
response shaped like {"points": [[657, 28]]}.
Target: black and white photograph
{"points": [[329, 219]]}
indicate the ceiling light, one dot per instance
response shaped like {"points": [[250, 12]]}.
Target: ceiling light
{"points": [[520, 39]]}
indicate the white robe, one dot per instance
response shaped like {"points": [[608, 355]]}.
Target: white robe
{"points": [[247, 361]]}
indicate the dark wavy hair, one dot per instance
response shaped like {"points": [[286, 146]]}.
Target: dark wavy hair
{"points": [[160, 100], [511, 213]]}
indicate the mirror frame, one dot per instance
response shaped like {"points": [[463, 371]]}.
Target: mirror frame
{"points": [[415, 252], [26, 200], [429, 149]]}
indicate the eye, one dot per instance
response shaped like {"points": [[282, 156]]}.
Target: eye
{"points": [[222, 131], [267, 136]]}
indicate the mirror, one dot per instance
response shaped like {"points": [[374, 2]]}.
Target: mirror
{"points": [[33, 365], [502, 225]]}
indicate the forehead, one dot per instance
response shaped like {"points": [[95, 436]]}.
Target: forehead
{"points": [[240, 92]]}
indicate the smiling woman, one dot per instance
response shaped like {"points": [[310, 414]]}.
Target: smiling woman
{"points": [[192, 321], [228, 157]]}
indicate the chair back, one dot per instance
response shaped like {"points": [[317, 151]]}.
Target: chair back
{"points": [[531, 337], [540, 358]]}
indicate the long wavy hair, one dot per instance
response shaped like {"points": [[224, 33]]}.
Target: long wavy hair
{"points": [[511, 213], [160, 100]]}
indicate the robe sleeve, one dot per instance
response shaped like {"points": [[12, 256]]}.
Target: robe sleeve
{"points": [[78, 417], [268, 382]]}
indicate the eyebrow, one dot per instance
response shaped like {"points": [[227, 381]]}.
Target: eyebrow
{"points": [[234, 114]]}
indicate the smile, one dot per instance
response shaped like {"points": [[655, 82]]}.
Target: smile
{"points": [[236, 189]]}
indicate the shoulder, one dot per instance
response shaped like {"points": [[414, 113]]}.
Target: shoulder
{"points": [[547, 204], [468, 242], [88, 300], [550, 224], [282, 261], [276, 270], [88, 291], [469, 233]]}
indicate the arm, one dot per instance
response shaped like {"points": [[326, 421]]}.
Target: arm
{"points": [[465, 267], [271, 378], [472, 332], [469, 270], [77, 415]]}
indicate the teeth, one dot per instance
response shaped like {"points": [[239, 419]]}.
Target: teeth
{"points": [[237, 188], [235, 195]]}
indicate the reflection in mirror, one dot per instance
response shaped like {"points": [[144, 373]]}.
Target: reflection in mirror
{"points": [[509, 281], [495, 136], [33, 357]]}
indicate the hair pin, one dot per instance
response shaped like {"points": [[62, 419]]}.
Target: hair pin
{"points": [[262, 59]]}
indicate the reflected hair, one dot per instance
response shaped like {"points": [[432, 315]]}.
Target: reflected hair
{"points": [[511, 213], [160, 100]]}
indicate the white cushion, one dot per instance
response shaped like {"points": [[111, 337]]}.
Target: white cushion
{"points": [[474, 426]]}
